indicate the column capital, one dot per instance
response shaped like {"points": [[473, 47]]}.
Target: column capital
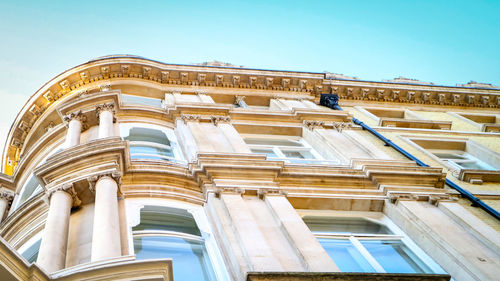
{"points": [[68, 188], [77, 115], [7, 195], [115, 175], [220, 119], [105, 107]]}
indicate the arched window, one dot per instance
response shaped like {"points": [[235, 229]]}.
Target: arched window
{"points": [[151, 142], [166, 232]]}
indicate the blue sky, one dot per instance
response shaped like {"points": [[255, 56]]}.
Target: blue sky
{"points": [[445, 42]]}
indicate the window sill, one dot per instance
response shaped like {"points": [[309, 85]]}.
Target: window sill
{"points": [[344, 276], [479, 176]]}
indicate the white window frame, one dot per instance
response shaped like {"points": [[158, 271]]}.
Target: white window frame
{"points": [[133, 211], [278, 149], [464, 157], [379, 218], [174, 145]]}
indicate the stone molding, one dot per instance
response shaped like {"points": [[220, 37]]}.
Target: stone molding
{"points": [[263, 192]]}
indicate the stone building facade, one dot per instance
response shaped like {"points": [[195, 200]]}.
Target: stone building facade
{"points": [[124, 168]]}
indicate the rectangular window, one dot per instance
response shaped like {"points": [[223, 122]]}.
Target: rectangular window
{"points": [[291, 149], [468, 160], [358, 244], [402, 118]]}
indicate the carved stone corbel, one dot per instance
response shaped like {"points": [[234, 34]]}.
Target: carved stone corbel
{"points": [[190, 118], [201, 78], [228, 190], [340, 126], [236, 80], [125, 70], [146, 72], [262, 192], [313, 124], [410, 95], [218, 80], [105, 87], [165, 76], [252, 81], [269, 82], [220, 119]]}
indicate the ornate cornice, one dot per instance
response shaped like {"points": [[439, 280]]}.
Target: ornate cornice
{"points": [[98, 75]]}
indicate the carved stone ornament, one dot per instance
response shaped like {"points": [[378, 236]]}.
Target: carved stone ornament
{"points": [[104, 107], [190, 118], [105, 87], [313, 124], [115, 175], [67, 187], [7, 196], [262, 192], [339, 126], [77, 115], [229, 190], [220, 119], [238, 99]]}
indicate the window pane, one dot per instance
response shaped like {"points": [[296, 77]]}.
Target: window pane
{"points": [[269, 152], [151, 150], [450, 156], [170, 219], [141, 100], [31, 254], [395, 257], [190, 260], [345, 255], [344, 225], [303, 154], [29, 189], [274, 142], [146, 134]]}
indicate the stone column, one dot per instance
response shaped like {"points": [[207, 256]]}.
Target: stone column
{"points": [[75, 125], [52, 253], [5, 201], [105, 114], [106, 231], [312, 254], [233, 137]]}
